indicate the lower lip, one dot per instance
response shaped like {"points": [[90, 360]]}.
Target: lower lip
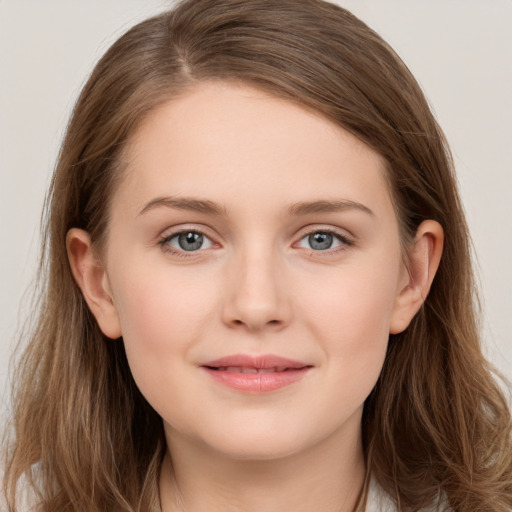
{"points": [[257, 382]]}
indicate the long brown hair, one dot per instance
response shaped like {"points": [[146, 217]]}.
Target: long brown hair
{"points": [[435, 426]]}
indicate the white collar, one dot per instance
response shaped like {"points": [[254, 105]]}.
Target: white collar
{"points": [[378, 500]]}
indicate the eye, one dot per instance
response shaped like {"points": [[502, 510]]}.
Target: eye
{"points": [[323, 241], [188, 241]]}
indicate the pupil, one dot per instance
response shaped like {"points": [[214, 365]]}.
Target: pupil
{"points": [[320, 241], [190, 241]]}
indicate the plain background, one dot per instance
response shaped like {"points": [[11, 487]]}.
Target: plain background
{"points": [[459, 50]]}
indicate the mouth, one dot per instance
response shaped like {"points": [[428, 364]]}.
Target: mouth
{"points": [[245, 369], [254, 375]]}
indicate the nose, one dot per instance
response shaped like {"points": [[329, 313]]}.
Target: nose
{"points": [[256, 296]]}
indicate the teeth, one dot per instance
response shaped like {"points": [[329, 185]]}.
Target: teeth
{"points": [[238, 369], [248, 370], [234, 369]]}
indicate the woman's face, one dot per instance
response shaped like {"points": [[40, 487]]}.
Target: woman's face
{"points": [[254, 263]]}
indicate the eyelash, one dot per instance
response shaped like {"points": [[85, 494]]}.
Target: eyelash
{"points": [[345, 242], [166, 247]]}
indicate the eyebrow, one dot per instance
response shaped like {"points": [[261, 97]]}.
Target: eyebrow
{"points": [[211, 208], [323, 206], [185, 203]]}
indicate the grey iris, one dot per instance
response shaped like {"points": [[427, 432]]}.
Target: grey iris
{"points": [[190, 241], [320, 241]]}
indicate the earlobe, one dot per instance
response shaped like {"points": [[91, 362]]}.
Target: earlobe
{"points": [[92, 280], [424, 257]]}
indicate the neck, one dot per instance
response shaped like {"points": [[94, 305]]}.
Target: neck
{"points": [[327, 477]]}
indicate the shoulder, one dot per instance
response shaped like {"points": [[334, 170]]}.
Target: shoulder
{"points": [[24, 504], [379, 501]]}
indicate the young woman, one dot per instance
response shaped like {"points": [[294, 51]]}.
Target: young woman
{"points": [[257, 289]]}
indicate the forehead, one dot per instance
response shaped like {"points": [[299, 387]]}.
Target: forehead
{"points": [[229, 142]]}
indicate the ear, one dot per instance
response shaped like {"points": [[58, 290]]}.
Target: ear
{"points": [[92, 279], [424, 256]]}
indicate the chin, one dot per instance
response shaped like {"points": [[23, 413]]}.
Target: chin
{"points": [[261, 441], [264, 448]]}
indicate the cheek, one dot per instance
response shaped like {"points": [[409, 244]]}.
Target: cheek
{"points": [[352, 318], [162, 314], [156, 302]]}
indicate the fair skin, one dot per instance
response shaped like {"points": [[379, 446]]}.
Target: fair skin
{"points": [[291, 249]]}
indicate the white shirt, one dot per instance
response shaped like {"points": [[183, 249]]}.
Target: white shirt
{"points": [[378, 500]]}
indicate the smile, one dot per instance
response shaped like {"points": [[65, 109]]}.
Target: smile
{"points": [[241, 369], [254, 375]]}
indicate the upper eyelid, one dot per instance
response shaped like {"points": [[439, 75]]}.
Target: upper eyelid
{"points": [[173, 231], [167, 235], [344, 240], [174, 234], [324, 228]]}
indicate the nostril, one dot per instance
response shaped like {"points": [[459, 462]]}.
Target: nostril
{"points": [[269, 323]]}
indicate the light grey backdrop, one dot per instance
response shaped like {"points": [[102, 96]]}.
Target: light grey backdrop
{"points": [[459, 50]]}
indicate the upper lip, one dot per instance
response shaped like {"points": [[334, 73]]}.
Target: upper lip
{"points": [[266, 361]]}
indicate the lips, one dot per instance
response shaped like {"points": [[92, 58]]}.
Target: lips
{"points": [[260, 374], [241, 369]]}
